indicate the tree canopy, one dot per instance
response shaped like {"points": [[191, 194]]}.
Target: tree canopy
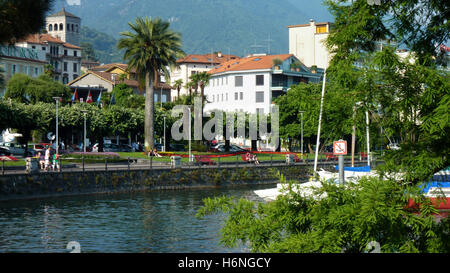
{"points": [[25, 89], [30, 14]]}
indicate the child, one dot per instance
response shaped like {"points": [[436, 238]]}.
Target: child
{"points": [[55, 162]]}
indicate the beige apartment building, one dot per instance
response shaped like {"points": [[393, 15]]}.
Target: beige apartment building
{"points": [[307, 43]]}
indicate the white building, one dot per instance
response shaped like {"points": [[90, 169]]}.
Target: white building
{"points": [[65, 58], [307, 43], [65, 26], [194, 63], [251, 84]]}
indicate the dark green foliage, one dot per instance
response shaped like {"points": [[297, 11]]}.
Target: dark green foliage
{"points": [[125, 97], [99, 46], [25, 89], [30, 14], [88, 52], [346, 221]]}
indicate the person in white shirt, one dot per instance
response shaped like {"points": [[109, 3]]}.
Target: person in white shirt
{"points": [[47, 159]]}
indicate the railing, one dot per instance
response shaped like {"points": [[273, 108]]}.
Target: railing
{"points": [[199, 162]]}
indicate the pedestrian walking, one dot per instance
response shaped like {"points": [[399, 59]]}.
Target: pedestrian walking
{"points": [[47, 159], [55, 161]]}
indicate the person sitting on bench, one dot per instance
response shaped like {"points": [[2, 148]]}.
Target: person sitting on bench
{"points": [[249, 157], [255, 159]]}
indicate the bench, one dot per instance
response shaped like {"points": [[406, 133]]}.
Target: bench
{"points": [[296, 158], [363, 155], [330, 156], [204, 160]]}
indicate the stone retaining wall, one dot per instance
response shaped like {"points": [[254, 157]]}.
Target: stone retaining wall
{"points": [[42, 185]]}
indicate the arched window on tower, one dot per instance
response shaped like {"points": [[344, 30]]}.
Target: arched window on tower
{"points": [[76, 28], [61, 26], [68, 27], [50, 27], [73, 29], [55, 27]]}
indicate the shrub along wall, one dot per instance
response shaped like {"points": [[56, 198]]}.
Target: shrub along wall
{"points": [[43, 185]]}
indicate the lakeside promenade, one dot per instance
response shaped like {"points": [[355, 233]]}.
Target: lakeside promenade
{"points": [[144, 164]]}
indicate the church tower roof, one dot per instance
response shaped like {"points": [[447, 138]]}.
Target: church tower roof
{"points": [[63, 12]]}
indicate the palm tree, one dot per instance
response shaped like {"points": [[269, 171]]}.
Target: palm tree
{"points": [[190, 85], [195, 79], [150, 48], [204, 78], [177, 85]]}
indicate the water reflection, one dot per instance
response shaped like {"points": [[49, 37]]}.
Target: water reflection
{"points": [[131, 223]]}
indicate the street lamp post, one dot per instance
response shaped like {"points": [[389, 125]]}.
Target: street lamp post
{"points": [[164, 133], [190, 154], [301, 143], [57, 99], [84, 139]]}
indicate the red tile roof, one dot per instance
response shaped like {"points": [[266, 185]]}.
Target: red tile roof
{"points": [[109, 67], [206, 58], [41, 38], [109, 78], [249, 63], [44, 38]]}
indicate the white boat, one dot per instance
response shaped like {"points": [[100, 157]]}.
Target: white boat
{"points": [[351, 174]]}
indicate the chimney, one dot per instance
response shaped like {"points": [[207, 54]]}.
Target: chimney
{"points": [[311, 22], [219, 54]]}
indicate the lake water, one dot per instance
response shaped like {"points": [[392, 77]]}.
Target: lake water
{"points": [[161, 222]]}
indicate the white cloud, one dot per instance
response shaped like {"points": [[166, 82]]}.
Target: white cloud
{"points": [[73, 2]]}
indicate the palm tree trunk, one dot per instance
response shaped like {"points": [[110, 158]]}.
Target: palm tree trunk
{"points": [[149, 112], [203, 101]]}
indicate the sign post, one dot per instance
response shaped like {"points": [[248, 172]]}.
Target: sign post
{"points": [[340, 149]]}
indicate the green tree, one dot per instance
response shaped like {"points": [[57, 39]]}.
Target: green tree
{"points": [[203, 78], [150, 49], [2, 78], [25, 89], [189, 86], [88, 52], [346, 220], [177, 85], [30, 14], [405, 95]]}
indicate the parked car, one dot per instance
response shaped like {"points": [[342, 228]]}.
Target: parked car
{"points": [[18, 149], [126, 148], [37, 147], [107, 147], [4, 151], [158, 147], [177, 147], [14, 148], [233, 148]]}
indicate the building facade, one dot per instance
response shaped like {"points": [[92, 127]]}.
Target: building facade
{"points": [[195, 63], [307, 43], [15, 60], [65, 58], [109, 75], [251, 84], [65, 26]]}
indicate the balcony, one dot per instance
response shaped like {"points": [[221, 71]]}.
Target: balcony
{"points": [[279, 86]]}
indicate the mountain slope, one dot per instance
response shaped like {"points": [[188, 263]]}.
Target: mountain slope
{"points": [[231, 26]]}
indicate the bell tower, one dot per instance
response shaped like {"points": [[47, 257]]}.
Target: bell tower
{"points": [[65, 26]]}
